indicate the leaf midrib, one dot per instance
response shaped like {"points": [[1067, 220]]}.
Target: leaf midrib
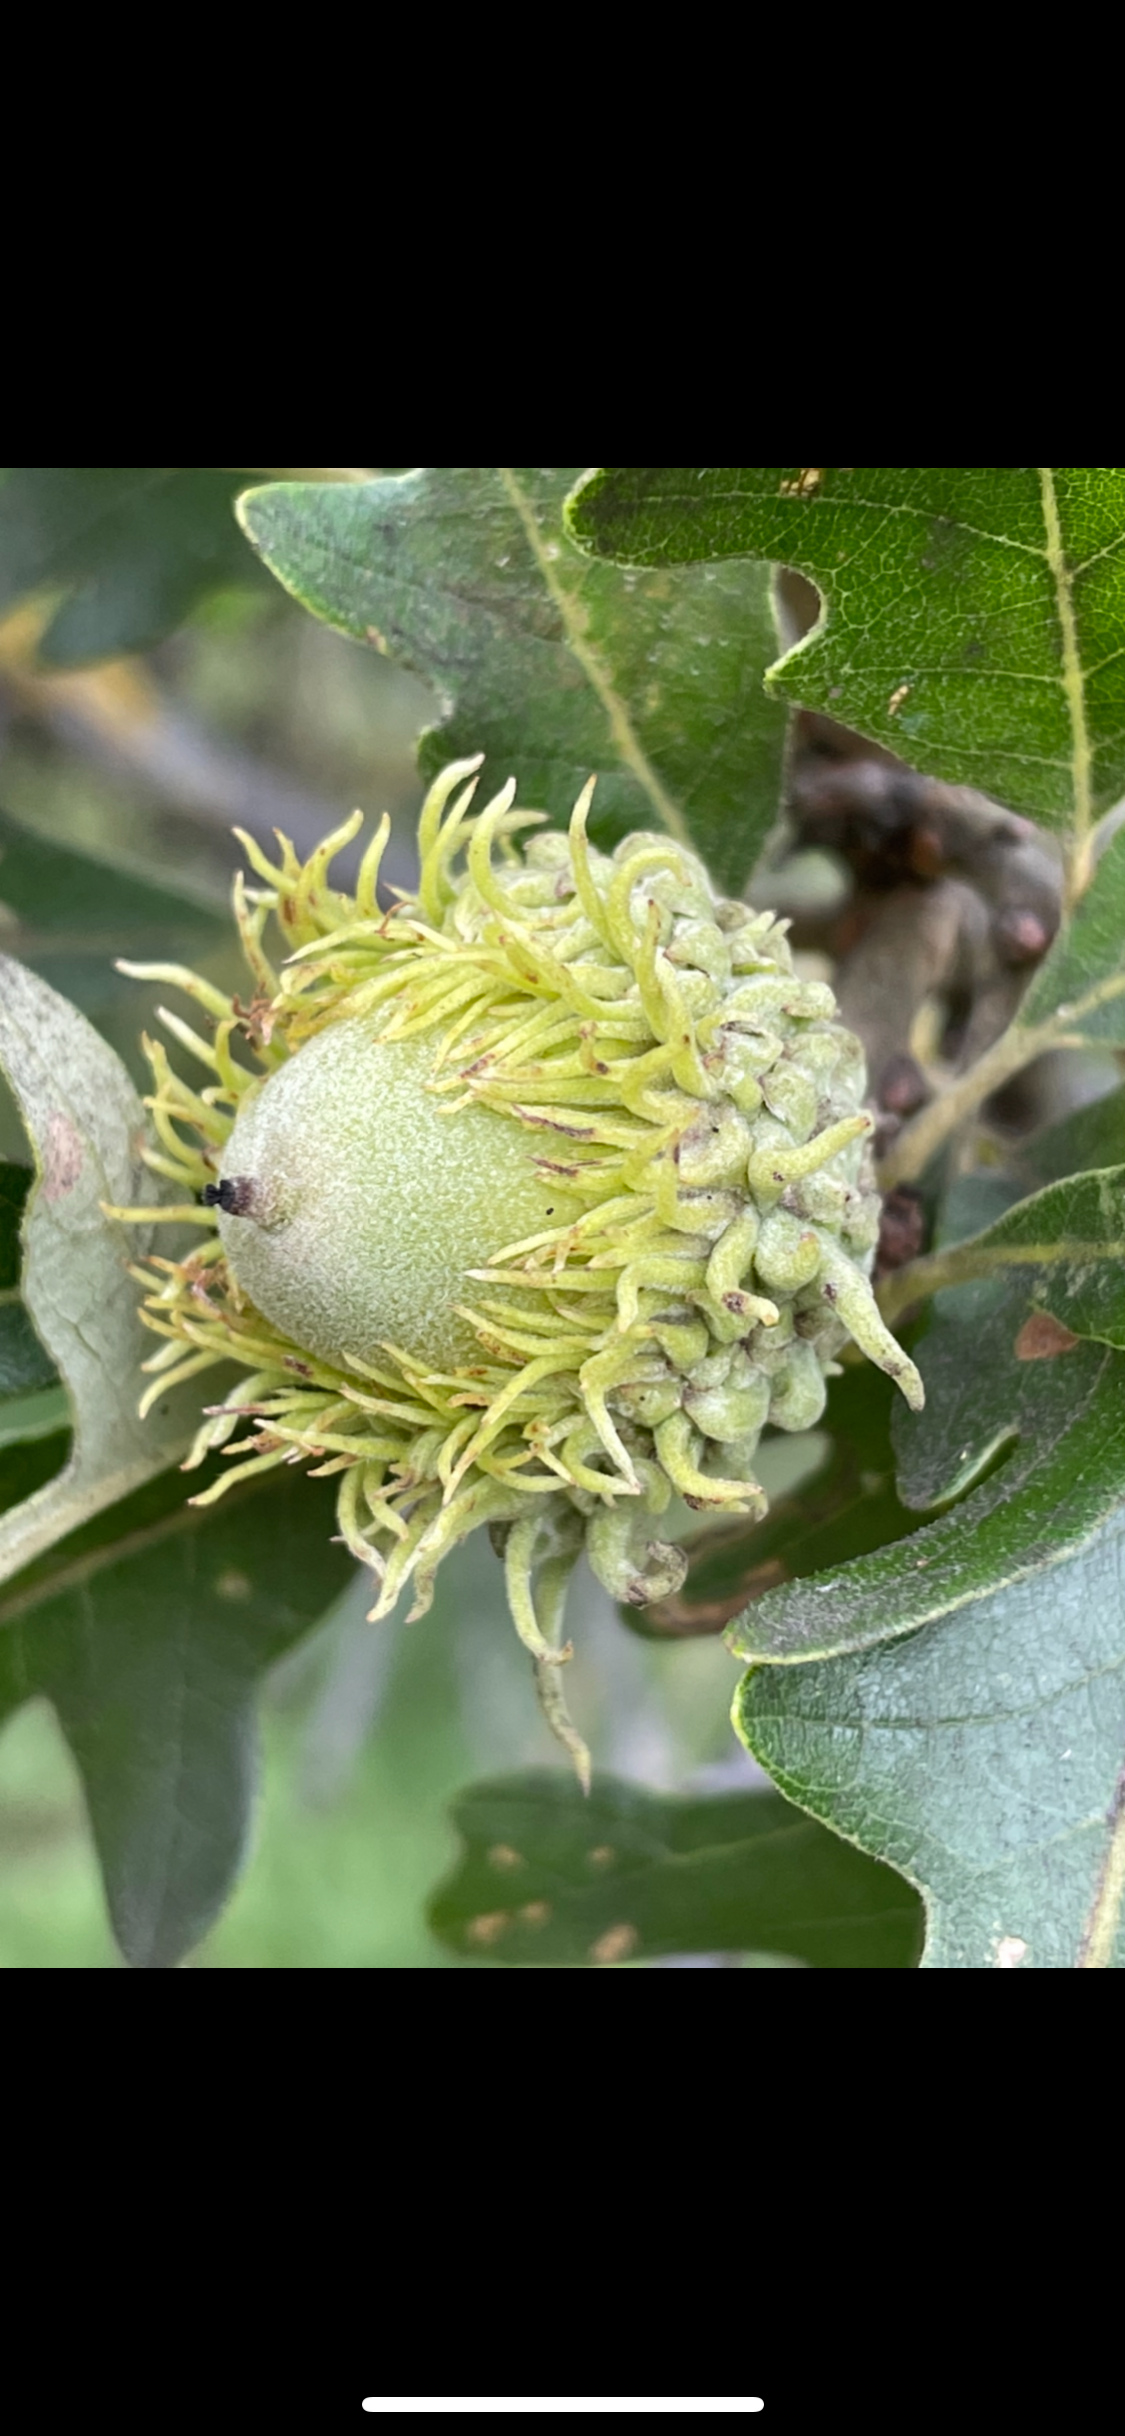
{"points": [[1073, 681]]}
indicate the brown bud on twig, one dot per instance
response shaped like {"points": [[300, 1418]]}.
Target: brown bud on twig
{"points": [[902, 1088], [902, 1230]]}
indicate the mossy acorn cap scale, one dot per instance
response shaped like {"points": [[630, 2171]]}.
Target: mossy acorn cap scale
{"points": [[547, 1188]]}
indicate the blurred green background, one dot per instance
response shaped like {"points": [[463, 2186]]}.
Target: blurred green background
{"points": [[253, 712]]}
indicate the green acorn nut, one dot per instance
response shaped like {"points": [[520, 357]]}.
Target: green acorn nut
{"points": [[547, 1190], [363, 1206]]}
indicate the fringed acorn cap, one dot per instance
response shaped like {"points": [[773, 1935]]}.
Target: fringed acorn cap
{"points": [[547, 1189]]}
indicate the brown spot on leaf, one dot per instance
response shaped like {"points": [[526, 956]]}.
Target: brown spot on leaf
{"points": [[534, 1915], [487, 1927], [231, 1584], [62, 1157], [505, 1856], [1042, 1337], [601, 1855], [615, 1944]]}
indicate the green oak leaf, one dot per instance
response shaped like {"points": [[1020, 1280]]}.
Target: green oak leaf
{"points": [[984, 1759], [130, 550], [982, 1756], [972, 616], [552, 1876], [1067, 1245], [86, 1126], [1092, 1135], [149, 1631], [552, 666]]}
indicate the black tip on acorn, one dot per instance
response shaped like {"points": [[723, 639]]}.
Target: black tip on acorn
{"points": [[234, 1194]]}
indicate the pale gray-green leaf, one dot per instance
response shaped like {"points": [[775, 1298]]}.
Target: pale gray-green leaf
{"points": [[86, 1125]]}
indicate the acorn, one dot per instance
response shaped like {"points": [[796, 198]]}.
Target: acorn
{"points": [[531, 1200]]}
